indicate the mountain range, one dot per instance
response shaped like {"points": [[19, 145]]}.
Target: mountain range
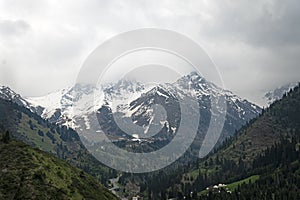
{"points": [[131, 100]]}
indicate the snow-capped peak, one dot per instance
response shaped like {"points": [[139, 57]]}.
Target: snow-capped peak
{"points": [[8, 94]]}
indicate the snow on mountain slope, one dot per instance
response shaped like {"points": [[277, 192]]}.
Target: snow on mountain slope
{"points": [[50, 102], [58, 107], [195, 86], [119, 95]]}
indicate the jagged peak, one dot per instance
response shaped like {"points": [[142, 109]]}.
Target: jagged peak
{"points": [[8, 92]]}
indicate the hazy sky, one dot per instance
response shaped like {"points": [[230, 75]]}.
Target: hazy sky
{"points": [[255, 44]]}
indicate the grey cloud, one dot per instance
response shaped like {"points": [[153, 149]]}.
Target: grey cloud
{"points": [[259, 23], [11, 28]]}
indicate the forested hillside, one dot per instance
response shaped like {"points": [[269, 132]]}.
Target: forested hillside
{"points": [[267, 148]]}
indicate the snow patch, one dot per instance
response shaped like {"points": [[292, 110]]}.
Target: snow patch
{"points": [[87, 122]]}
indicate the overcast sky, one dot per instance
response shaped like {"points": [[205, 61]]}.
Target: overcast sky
{"points": [[255, 44]]}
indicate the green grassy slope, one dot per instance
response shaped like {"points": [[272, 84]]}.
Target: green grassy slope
{"points": [[27, 173], [233, 186]]}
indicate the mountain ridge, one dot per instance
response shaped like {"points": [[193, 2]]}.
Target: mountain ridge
{"points": [[115, 94]]}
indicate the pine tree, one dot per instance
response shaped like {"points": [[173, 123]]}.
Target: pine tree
{"points": [[6, 137]]}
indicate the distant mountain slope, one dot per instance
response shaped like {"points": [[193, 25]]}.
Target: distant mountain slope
{"points": [[277, 94], [60, 141], [27, 173]]}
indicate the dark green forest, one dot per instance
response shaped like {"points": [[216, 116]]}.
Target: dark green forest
{"points": [[266, 152]]}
